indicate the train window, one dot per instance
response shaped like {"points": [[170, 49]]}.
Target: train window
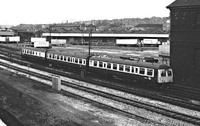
{"points": [[136, 70], [109, 65], [127, 68], [76, 60], [149, 72], [39, 54], [142, 71], [58, 57], [133, 69], [64, 58], [100, 64], [169, 72], [121, 67], [163, 73], [61, 57], [70, 59], [67, 58], [114, 66], [84, 62], [55, 56], [104, 65], [95, 63], [80, 61]]}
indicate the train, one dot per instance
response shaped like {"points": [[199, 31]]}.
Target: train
{"points": [[104, 67]]}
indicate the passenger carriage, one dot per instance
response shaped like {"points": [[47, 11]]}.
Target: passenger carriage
{"points": [[103, 66]]}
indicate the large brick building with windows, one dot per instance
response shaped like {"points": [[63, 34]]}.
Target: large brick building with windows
{"points": [[185, 41]]}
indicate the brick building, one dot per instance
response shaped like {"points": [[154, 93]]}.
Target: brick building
{"points": [[185, 41]]}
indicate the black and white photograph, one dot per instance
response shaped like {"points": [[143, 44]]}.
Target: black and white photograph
{"points": [[100, 63]]}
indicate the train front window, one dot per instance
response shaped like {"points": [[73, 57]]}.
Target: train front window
{"points": [[169, 73], [163, 73]]}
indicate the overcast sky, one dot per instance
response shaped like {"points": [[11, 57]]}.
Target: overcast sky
{"points": [[14, 12]]}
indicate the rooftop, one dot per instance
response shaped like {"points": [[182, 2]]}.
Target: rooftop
{"points": [[184, 3]]}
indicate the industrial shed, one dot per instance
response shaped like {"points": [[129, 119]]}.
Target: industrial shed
{"points": [[185, 41]]}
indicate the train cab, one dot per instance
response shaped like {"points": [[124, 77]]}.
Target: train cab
{"points": [[165, 76]]}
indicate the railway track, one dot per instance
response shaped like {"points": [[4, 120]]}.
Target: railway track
{"points": [[167, 95], [111, 96], [184, 91]]}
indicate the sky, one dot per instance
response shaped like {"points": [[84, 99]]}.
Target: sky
{"points": [[14, 12]]}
